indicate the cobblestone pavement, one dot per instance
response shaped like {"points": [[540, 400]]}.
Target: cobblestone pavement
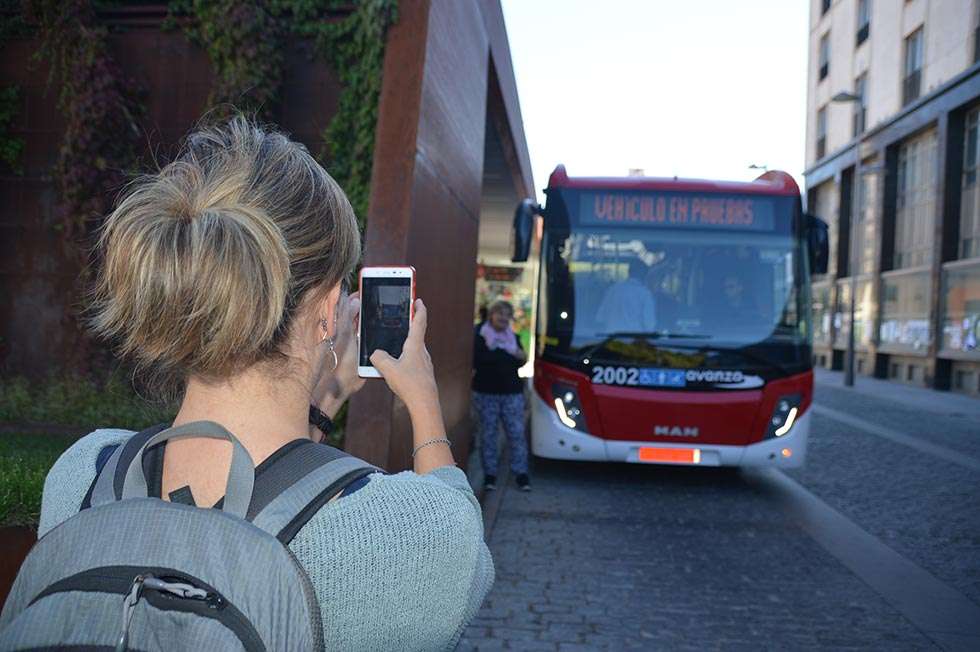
{"points": [[922, 507], [603, 556]]}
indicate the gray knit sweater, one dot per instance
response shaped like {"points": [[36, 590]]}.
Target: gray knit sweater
{"points": [[399, 564]]}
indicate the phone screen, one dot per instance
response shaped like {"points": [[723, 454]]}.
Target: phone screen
{"points": [[385, 315]]}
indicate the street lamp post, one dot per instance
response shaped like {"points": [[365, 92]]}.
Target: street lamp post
{"points": [[844, 96]]}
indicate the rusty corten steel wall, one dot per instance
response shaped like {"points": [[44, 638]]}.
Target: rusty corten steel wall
{"points": [[425, 201], [447, 64], [39, 292]]}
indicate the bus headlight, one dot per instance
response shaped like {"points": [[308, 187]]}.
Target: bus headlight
{"points": [[784, 415], [568, 407]]}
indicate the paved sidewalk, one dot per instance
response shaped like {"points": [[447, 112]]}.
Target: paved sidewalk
{"points": [[909, 396]]}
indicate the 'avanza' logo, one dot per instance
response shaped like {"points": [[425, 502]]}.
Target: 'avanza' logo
{"points": [[713, 376], [675, 431]]}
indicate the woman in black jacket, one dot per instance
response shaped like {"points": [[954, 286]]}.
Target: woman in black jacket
{"points": [[498, 393]]}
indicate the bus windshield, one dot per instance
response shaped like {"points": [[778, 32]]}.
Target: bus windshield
{"points": [[617, 292]]}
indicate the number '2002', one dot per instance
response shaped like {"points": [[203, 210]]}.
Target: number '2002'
{"points": [[603, 375]]}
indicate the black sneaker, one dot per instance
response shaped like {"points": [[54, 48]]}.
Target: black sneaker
{"points": [[489, 482], [523, 483]]}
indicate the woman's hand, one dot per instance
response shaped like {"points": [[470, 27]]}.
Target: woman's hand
{"points": [[411, 376], [336, 387], [412, 379]]}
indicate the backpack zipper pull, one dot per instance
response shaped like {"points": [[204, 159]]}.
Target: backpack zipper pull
{"points": [[178, 589], [129, 607]]}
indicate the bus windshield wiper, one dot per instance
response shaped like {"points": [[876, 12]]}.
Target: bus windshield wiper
{"points": [[654, 335], [646, 335], [748, 355], [651, 335]]}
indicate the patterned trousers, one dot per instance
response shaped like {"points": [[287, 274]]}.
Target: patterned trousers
{"points": [[491, 410]]}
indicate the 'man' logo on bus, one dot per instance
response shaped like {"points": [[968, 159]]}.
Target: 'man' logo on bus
{"points": [[675, 431]]}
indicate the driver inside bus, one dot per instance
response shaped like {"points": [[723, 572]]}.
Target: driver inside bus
{"points": [[738, 306], [628, 305]]}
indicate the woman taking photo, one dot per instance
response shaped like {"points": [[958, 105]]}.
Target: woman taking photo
{"points": [[223, 281]]}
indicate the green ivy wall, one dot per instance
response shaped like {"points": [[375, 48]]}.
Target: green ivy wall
{"points": [[91, 93]]}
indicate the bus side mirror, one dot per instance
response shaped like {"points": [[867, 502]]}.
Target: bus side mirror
{"points": [[818, 244], [524, 229]]}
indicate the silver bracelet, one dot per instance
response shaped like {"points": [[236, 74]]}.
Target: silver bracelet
{"points": [[441, 440]]}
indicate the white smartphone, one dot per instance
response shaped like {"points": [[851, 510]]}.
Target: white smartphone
{"points": [[387, 308]]}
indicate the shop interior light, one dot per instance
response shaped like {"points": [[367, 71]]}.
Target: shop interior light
{"points": [[560, 408], [790, 418]]}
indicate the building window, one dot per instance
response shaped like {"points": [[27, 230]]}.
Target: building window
{"points": [[826, 204], [862, 313], [861, 106], [912, 79], [916, 201], [970, 196], [976, 34], [864, 21], [961, 309], [824, 58], [904, 323], [864, 226], [822, 313], [821, 133], [824, 6]]}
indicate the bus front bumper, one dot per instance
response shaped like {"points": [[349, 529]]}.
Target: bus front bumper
{"points": [[550, 438]]}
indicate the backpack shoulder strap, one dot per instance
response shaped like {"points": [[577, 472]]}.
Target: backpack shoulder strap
{"points": [[289, 488], [108, 483], [295, 486]]}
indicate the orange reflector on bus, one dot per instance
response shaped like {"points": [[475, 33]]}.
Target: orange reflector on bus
{"points": [[787, 452], [671, 455]]}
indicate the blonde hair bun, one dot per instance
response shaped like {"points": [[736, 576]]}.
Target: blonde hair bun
{"points": [[205, 262]]}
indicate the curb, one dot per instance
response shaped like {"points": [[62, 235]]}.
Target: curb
{"points": [[490, 500]]}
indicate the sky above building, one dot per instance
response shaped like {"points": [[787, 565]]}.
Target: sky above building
{"points": [[701, 88]]}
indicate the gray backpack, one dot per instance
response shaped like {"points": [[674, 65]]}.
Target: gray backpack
{"points": [[140, 573]]}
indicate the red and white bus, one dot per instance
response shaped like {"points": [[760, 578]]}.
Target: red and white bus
{"points": [[673, 320]]}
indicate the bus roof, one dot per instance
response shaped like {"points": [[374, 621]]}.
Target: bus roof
{"points": [[773, 182]]}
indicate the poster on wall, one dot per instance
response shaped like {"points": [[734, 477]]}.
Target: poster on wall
{"points": [[913, 333]]}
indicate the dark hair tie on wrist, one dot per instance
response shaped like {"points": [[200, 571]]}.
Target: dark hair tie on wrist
{"points": [[323, 423]]}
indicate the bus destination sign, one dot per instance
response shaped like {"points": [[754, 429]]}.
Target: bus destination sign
{"points": [[676, 209]]}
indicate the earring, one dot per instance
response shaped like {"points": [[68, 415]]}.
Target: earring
{"points": [[329, 341], [333, 352]]}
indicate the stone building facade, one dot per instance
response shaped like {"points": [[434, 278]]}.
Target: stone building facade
{"points": [[893, 106]]}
